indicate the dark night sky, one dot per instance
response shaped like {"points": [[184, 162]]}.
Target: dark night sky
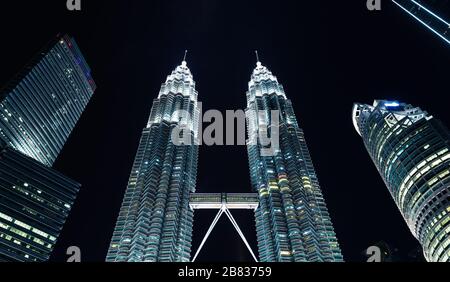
{"points": [[327, 54]]}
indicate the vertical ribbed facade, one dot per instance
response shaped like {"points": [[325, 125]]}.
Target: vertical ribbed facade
{"points": [[41, 106], [427, 14], [38, 110], [35, 201], [292, 220], [155, 221], [411, 150]]}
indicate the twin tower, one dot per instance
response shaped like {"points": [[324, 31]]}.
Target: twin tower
{"points": [[155, 222]]}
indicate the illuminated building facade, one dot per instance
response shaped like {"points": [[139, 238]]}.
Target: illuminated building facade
{"points": [[38, 110], [35, 201], [429, 13], [292, 220], [155, 220], [411, 151], [41, 106]]}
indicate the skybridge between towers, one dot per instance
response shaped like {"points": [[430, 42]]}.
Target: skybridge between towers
{"points": [[224, 202]]}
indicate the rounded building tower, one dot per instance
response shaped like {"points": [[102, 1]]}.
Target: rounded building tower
{"points": [[411, 151]]}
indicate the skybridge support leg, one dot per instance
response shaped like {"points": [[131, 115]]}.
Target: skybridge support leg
{"points": [[225, 210], [208, 232], [236, 226]]}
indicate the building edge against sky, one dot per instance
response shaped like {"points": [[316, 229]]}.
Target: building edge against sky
{"points": [[411, 150], [155, 220], [38, 110], [292, 220]]}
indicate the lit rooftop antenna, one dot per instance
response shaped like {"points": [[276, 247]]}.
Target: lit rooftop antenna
{"points": [[258, 63], [184, 58]]}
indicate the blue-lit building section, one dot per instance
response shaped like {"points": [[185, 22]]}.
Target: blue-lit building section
{"points": [[35, 201], [426, 13], [40, 107], [411, 150], [155, 220], [292, 220]]}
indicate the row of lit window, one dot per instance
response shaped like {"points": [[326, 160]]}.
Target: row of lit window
{"points": [[418, 171], [26, 226]]}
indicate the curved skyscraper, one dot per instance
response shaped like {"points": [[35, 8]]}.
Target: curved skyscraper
{"points": [[155, 220], [292, 220], [411, 150]]}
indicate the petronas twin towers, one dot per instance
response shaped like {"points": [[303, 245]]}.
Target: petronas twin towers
{"points": [[155, 222]]}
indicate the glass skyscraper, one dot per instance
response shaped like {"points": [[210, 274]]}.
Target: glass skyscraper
{"points": [[411, 150], [429, 13], [292, 220], [38, 110], [35, 201], [155, 220], [41, 106]]}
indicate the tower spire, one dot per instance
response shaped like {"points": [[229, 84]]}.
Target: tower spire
{"points": [[184, 57], [257, 56]]}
